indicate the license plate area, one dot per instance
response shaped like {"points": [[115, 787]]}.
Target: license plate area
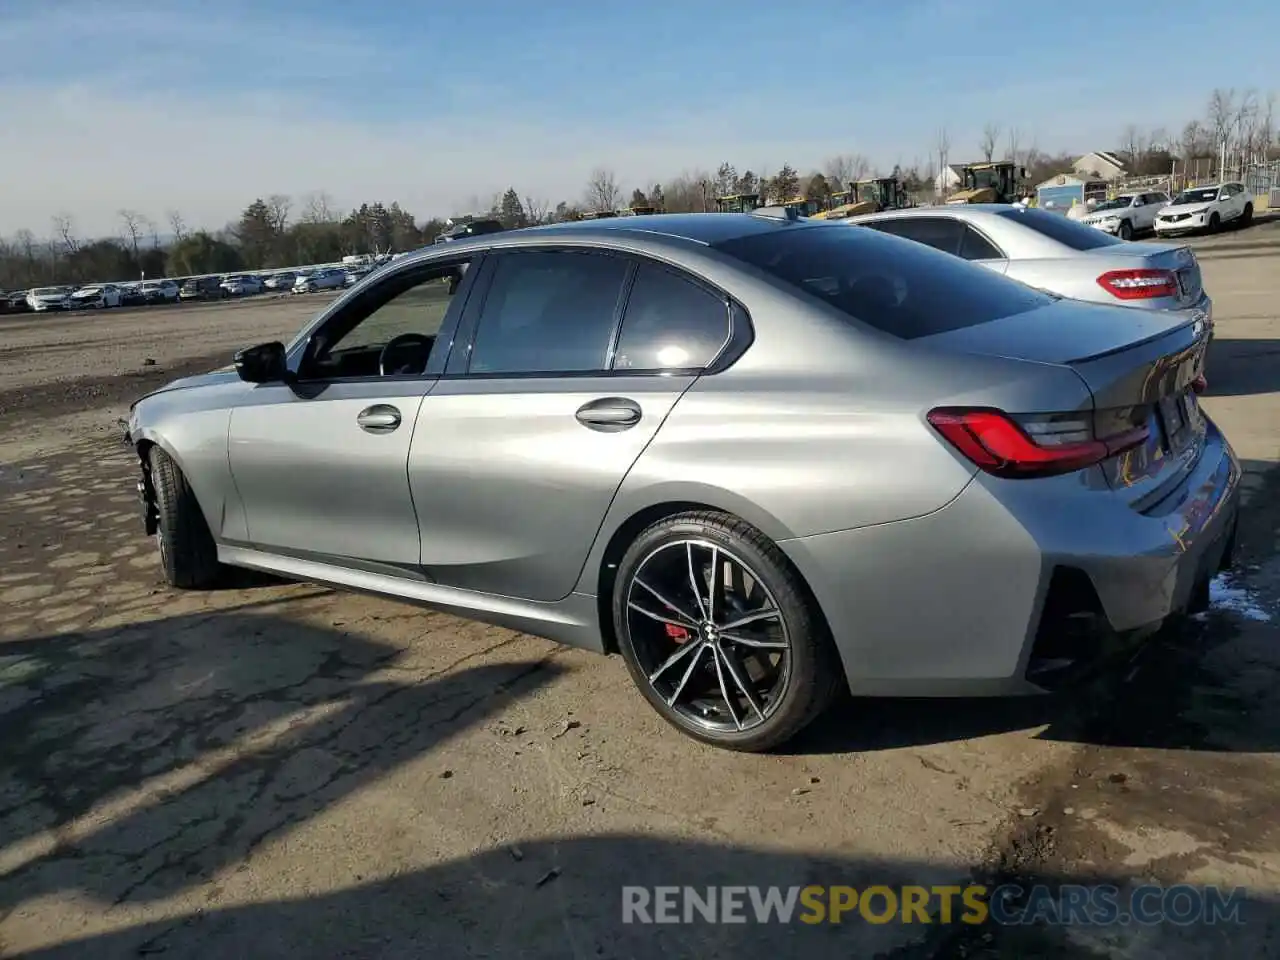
{"points": [[1179, 419]]}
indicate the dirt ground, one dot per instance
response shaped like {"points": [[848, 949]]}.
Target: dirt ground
{"points": [[279, 770]]}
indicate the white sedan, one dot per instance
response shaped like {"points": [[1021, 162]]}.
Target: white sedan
{"points": [[97, 297], [1206, 208], [42, 299]]}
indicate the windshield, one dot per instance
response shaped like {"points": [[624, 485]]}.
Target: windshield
{"points": [[1119, 203], [899, 286], [47, 291], [151, 285], [1203, 195], [89, 290]]}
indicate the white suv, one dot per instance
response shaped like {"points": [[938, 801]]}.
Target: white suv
{"points": [[1206, 208], [1127, 214]]}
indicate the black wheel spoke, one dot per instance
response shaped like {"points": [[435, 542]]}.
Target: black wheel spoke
{"points": [[742, 684], [684, 680], [693, 582], [724, 689], [757, 642], [755, 617]]}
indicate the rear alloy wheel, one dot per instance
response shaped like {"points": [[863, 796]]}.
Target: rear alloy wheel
{"points": [[719, 632], [1126, 230], [188, 555]]}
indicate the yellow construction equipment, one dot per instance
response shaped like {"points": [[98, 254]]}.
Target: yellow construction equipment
{"points": [[1000, 181], [867, 196], [739, 203]]}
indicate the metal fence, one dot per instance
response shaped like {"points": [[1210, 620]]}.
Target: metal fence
{"points": [[1262, 180]]}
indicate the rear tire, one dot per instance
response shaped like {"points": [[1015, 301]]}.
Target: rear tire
{"points": [[188, 556], [797, 672]]}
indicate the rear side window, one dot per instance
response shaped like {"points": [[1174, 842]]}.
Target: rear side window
{"points": [[898, 286], [670, 323], [549, 312], [941, 233], [1069, 233]]}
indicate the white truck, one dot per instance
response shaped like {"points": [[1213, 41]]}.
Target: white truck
{"points": [[1128, 213]]}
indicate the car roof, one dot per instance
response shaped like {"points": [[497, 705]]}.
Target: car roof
{"points": [[678, 229]]}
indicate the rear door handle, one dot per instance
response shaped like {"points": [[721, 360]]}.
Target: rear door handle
{"points": [[380, 418], [609, 415]]}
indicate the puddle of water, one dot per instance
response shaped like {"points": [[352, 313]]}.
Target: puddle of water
{"points": [[1226, 595]]}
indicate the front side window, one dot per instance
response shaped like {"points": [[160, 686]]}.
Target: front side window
{"points": [[902, 288], [670, 323], [390, 330], [548, 311]]}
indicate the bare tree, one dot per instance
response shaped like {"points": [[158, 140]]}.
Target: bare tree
{"points": [[943, 146], [318, 208], [537, 209], [1012, 143], [177, 225], [845, 169], [1192, 142], [990, 137], [131, 228], [1245, 125], [1222, 110], [1131, 145], [603, 192], [64, 230], [1266, 127], [279, 206]]}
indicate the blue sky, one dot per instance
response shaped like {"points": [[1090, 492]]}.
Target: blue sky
{"points": [[201, 106]]}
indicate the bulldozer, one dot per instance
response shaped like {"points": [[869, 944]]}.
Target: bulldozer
{"points": [[867, 196], [1000, 181]]}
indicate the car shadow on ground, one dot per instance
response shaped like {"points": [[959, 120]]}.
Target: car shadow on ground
{"points": [[1243, 367], [563, 898], [1203, 683], [138, 758]]}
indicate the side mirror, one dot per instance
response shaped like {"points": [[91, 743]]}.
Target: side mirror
{"points": [[265, 363]]}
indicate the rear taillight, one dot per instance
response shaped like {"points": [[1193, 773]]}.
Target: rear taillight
{"points": [[1034, 447], [1139, 284]]}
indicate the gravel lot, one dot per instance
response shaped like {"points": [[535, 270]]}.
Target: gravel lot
{"points": [[282, 771]]}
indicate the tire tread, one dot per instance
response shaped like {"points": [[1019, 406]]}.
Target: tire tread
{"points": [[190, 558]]}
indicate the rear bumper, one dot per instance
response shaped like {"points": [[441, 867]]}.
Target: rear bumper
{"points": [[1008, 588]]}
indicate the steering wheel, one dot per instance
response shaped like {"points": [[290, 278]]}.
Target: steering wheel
{"points": [[413, 350]]}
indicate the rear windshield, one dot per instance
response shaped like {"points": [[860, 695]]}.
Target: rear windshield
{"points": [[1069, 233], [899, 286]]}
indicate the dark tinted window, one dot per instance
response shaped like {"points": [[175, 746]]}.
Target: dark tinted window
{"points": [[670, 323], [900, 287], [975, 246], [549, 312], [941, 233], [1069, 233]]}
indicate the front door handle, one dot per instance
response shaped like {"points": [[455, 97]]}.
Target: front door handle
{"points": [[609, 414], [380, 418]]}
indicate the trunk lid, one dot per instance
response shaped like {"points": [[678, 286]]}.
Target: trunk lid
{"points": [[1139, 366]]}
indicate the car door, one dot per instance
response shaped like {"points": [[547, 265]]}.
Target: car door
{"points": [[320, 462], [519, 451]]}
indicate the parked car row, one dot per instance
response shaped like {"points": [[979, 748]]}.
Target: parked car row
{"points": [[576, 443], [168, 291], [1207, 208]]}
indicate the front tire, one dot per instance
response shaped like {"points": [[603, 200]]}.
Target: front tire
{"points": [[1246, 218], [720, 634], [188, 556], [1215, 223], [1126, 230]]}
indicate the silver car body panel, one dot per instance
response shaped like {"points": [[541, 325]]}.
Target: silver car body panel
{"points": [[492, 502]]}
